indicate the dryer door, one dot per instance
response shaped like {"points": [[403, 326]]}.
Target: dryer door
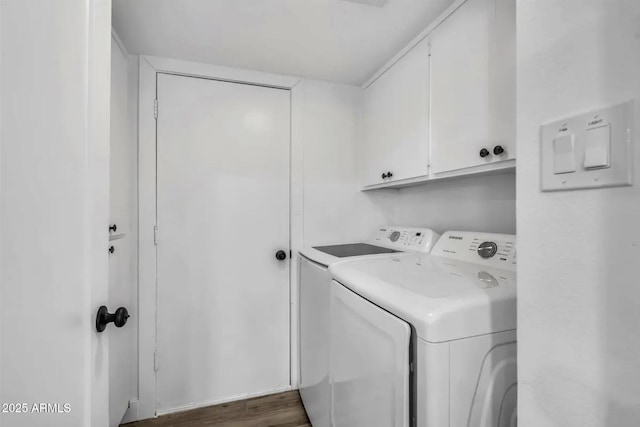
{"points": [[369, 363]]}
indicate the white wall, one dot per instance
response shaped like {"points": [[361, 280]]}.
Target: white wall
{"points": [[578, 251], [54, 80], [481, 203], [326, 130]]}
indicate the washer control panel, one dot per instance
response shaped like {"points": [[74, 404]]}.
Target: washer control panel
{"points": [[405, 238], [490, 249]]}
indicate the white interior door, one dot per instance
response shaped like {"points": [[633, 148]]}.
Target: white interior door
{"points": [[54, 202], [222, 214], [122, 341], [369, 368]]}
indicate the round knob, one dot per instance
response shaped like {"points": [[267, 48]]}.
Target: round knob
{"points": [[121, 317], [497, 150], [394, 236], [487, 249], [113, 228], [389, 174], [484, 153], [384, 175], [111, 249], [103, 318], [281, 255]]}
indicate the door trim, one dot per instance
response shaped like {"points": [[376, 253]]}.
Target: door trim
{"points": [[149, 67]]}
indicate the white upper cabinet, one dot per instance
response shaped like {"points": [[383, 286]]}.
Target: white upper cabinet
{"points": [[473, 86], [396, 121]]}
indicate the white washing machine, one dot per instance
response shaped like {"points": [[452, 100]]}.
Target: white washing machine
{"points": [[315, 283], [426, 340]]}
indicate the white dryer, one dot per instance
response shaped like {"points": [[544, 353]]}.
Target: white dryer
{"points": [[426, 340], [315, 282]]}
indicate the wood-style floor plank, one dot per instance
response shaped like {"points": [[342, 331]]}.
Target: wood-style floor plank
{"points": [[275, 410]]}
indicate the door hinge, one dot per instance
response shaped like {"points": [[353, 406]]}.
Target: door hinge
{"points": [[155, 108], [155, 235], [155, 361]]}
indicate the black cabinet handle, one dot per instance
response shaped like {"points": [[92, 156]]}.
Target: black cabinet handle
{"points": [[389, 174], [111, 249], [281, 255], [113, 228], [384, 176], [103, 318], [497, 150], [484, 153]]}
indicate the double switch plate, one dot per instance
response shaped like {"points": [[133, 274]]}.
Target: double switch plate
{"points": [[591, 150]]}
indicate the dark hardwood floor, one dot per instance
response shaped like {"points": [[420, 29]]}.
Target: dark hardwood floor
{"points": [[276, 410]]}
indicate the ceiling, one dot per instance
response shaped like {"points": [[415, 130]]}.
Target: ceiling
{"points": [[335, 40]]}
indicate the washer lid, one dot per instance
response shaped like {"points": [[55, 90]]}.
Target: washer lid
{"points": [[444, 299], [384, 241]]}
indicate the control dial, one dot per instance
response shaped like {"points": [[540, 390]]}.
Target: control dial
{"points": [[394, 236], [487, 249]]}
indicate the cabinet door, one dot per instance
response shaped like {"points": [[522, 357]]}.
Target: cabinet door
{"points": [[473, 86], [396, 120]]}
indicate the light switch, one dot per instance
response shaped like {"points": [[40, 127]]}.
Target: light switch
{"points": [[597, 149], [589, 150], [564, 159]]}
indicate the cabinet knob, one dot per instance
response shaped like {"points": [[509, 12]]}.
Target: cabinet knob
{"points": [[497, 150], [484, 153], [384, 175], [389, 174], [113, 228]]}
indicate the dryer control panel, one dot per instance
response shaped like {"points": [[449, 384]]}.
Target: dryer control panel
{"points": [[405, 238], [490, 249]]}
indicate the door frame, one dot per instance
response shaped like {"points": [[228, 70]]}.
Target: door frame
{"points": [[149, 68]]}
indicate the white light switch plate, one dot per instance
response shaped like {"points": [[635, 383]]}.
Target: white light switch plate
{"points": [[620, 119]]}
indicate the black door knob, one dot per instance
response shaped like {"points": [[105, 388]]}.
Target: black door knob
{"points": [[484, 153], [113, 228], [281, 255], [103, 318], [497, 150]]}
